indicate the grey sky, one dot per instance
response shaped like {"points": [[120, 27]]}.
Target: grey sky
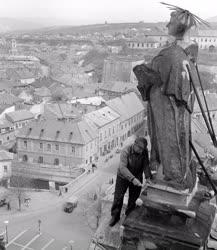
{"points": [[98, 11]]}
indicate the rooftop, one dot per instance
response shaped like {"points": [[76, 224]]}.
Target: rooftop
{"points": [[19, 115], [102, 116], [54, 130], [5, 155]]}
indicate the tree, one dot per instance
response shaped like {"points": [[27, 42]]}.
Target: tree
{"points": [[17, 190], [93, 212]]}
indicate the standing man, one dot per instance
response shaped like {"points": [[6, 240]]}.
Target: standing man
{"points": [[134, 161]]}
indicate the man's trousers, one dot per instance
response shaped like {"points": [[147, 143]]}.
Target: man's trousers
{"points": [[120, 189]]}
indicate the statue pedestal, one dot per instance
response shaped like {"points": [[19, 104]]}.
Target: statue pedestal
{"points": [[163, 193], [161, 226]]}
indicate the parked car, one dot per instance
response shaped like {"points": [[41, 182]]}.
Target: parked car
{"points": [[70, 204]]}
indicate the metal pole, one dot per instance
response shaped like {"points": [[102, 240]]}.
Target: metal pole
{"points": [[203, 167], [210, 120], [6, 232], [201, 107]]}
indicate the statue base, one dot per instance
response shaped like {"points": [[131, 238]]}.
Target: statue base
{"points": [[161, 226], [162, 193]]}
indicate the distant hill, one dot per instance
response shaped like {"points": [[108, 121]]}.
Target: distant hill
{"points": [[111, 27], [26, 24], [212, 19]]}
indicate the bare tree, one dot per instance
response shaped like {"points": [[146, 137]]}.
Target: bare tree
{"points": [[17, 190], [93, 212]]}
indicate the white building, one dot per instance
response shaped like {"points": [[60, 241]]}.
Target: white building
{"points": [[132, 113], [107, 122], [206, 39]]}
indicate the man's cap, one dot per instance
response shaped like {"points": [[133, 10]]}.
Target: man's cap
{"points": [[141, 140]]}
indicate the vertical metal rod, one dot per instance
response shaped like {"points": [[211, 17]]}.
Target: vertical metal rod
{"points": [[201, 107], [210, 120], [203, 167]]}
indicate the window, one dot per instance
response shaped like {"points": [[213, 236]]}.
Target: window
{"points": [[40, 159], [48, 147], [56, 162], [25, 144], [25, 158], [57, 147], [41, 145], [86, 148], [8, 138], [73, 149], [5, 169]]}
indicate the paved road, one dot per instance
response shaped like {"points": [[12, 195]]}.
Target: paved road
{"points": [[55, 224]]}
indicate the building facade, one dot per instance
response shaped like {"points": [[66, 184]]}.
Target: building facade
{"points": [[132, 114], [53, 150], [107, 124]]}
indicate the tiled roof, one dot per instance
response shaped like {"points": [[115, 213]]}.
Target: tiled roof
{"points": [[125, 58], [62, 110], [19, 115], [143, 40], [204, 33], [95, 100], [118, 86], [127, 105], [118, 105], [103, 116], [5, 155], [54, 130], [5, 123], [8, 99], [43, 92]]}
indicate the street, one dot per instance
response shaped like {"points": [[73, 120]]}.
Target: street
{"points": [[57, 227]]}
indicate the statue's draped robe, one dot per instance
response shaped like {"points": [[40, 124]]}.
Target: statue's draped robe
{"points": [[169, 111]]}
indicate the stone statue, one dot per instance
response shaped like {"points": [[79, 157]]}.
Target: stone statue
{"points": [[165, 84]]}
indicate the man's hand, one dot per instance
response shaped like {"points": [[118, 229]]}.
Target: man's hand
{"points": [[136, 182]]}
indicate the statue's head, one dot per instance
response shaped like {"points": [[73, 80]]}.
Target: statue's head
{"points": [[181, 21], [177, 26]]}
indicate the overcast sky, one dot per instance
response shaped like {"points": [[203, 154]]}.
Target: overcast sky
{"points": [[76, 12]]}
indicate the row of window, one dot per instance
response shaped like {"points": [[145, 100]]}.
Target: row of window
{"points": [[41, 160], [48, 146], [206, 39], [151, 45]]}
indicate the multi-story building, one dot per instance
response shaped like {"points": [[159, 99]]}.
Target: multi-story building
{"points": [[143, 43], [7, 132], [107, 122], [53, 150], [206, 39], [5, 167], [132, 114], [19, 118], [119, 68]]}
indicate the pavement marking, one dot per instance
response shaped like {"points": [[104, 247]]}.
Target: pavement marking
{"points": [[48, 244], [19, 245], [30, 242], [16, 237]]}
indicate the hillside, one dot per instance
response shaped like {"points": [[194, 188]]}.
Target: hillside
{"points": [[112, 27]]}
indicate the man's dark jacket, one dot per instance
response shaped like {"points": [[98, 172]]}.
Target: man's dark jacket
{"points": [[133, 165]]}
